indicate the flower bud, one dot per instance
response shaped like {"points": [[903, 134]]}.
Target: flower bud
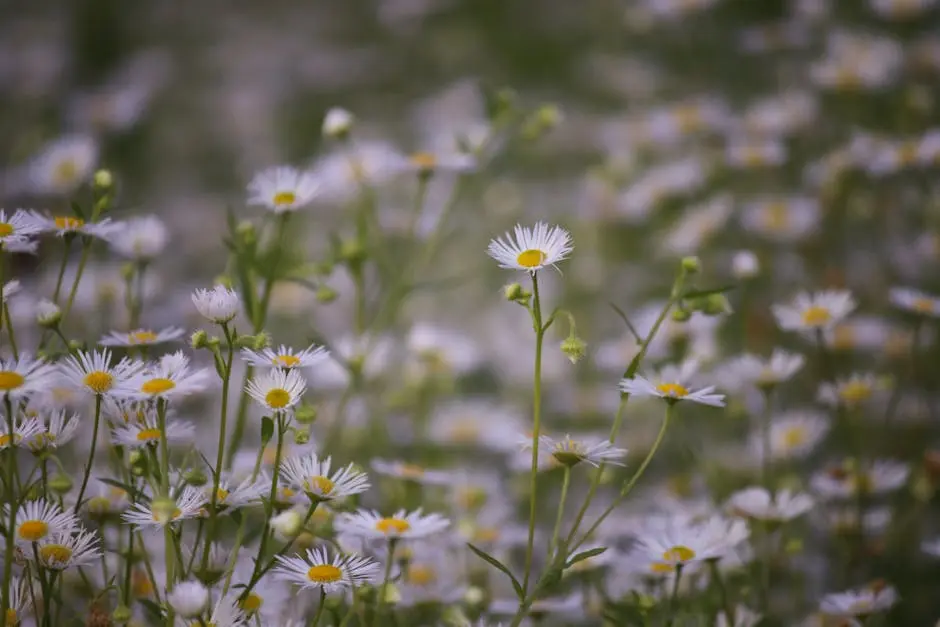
{"points": [[574, 348], [195, 477], [138, 463], [301, 436], [48, 314], [326, 294], [352, 252], [262, 340], [247, 232], [188, 598], [716, 305], [287, 524], [305, 414], [122, 614], [60, 484], [454, 617], [691, 264], [199, 339], [337, 123], [474, 596], [75, 345], [103, 180], [681, 315]]}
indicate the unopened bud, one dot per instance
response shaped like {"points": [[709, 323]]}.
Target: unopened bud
{"points": [[138, 463], [305, 414], [224, 280], [75, 345], [199, 339], [60, 484], [301, 436], [574, 348], [543, 120], [691, 264], [474, 596], [128, 270], [103, 180], [196, 477], [337, 123], [122, 614], [716, 305], [326, 294], [681, 315], [392, 595], [247, 232], [48, 314], [454, 617], [352, 252], [287, 524]]}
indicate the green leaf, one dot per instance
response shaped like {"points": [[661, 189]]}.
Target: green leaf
{"points": [[492, 561], [152, 608], [267, 430], [77, 210], [626, 321], [583, 555], [708, 292], [633, 366], [129, 489]]}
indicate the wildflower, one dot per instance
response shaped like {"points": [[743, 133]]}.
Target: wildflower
{"points": [[863, 602], [48, 314], [851, 392], [758, 503], [282, 189], [312, 475], [571, 452], [531, 249], [19, 598], [227, 613], [267, 598], [161, 512], [92, 371], [23, 377], [169, 378], [108, 501], [820, 310], [73, 225], [337, 122], [64, 550], [141, 337], [230, 497], [138, 434], [218, 305], [63, 165], [782, 219], [682, 542], [141, 239], [40, 519], [442, 351], [795, 434], [427, 163], [842, 481], [747, 153], [27, 429], [670, 384], [284, 357], [318, 570], [477, 424], [188, 598], [412, 472], [59, 431], [430, 577], [402, 524], [277, 390], [914, 301], [764, 373]]}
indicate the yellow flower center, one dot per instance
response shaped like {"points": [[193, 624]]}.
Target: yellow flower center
{"points": [[679, 553], [51, 553], [157, 386], [392, 526], [141, 584], [672, 389], [816, 316], [661, 568], [465, 432], [324, 573], [843, 337], [421, 575], [6, 229], [855, 392], [221, 495], [6, 439], [252, 603], [10, 380], [33, 530], [689, 118], [286, 361], [68, 222], [923, 305], [287, 494], [424, 161], [794, 437], [142, 337], [777, 217], [277, 398], [148, 435], [531, 258], [471, 497], [907, 152], [319, 483], [285, 198], [157, 516], [98, 381], [486, 534], [411, 471], [11, 618], [65, 172]]}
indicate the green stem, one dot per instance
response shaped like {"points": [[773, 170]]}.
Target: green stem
{"points": [[12, 502], [722, 592], [272, 495], [536, 428], [383, 591], [8, 322], [82, 262], [561, 509], [320, 608], [241, 416], [91, 454], [766, 471], [674, 597]]}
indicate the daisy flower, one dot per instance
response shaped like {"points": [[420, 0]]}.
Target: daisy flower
{"points": [[758, 503], [71, 225], [277, 390], [20, 378], [571, 452], [59, 431], [475, 423], [841, 481], [92, 371], [670, 384], [682, 541], [820, 310], [141, 239], [161, 512], [231, 497], [284, 357], [795, 433], [64, 164], [402, 524], [227, 613], [67, 550], [40, 519], [142, 337], [915, 301], [267, 598], [851, 392], [218, 305], [16, 227], [19, 598], [108, 501], [427, 163], [531, 249], [27, 429], [318, 570], [169, 378], [136, 434], [411, 472], [430, 576], [312, 475], [764, 372], [282, 189], [876, 597]]}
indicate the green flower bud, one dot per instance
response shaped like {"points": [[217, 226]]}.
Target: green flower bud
{"points": [[691, 264], [716, 305], [326, 294], [199, 339], [128, 270], [138, 463], [453, 616], [196, 477], [247, 232], [103, 180], [262, 340], [60, 484], [352, 252], [574, 348], [681, 315], [301, 436], [305, 414], [122, 614]]}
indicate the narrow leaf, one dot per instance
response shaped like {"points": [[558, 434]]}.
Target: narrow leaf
{"points": [[492, 561], [267, 430], [627, 322], [583, 555], [708, 292]]}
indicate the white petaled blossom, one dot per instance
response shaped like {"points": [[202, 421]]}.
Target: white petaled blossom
{"points": [[819, 310], [915, 301], [411, 472], [794, 434], [140, 239], [15, 231], [531, 249], [161, 512], [38, 520], [61, 428], [229, 497], [20, 595], [872, 599], [282, 189], [141, 337], [24, 429], [20, 378], [851, 392], [842, 481], [569, 452], [312, 476], [67, 550], [188, 598], [682, 541], [138, 434], [218, 305], [318, 570], [762, 372], [337, 122], [277, 390], [758, 503], [48, 313], [285, 357], [227, 612], [672, 384], [424, 162], [70, 225], [169, 378], [64, 164], [92, 371], [402, 524]]}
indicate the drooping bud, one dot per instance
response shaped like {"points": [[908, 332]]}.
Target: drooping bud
{"points": [[574, 348]]}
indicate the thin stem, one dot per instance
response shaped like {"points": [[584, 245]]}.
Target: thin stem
{"points": [[91, 454], [82, 261], [269, 506], [766, 469], [12, 502], [674, 597], [8, 322], [536, 427], [726, 606], [383, 591], [320, 608], [561, 508]]}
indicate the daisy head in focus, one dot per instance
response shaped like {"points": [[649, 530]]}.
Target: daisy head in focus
{"points": [[570, 451], [160, 512], [16, 229], [41, 519], [914, 301], [285, 357], [282, 189], [531, 249], [20, 378], [219, 305], [672, 385], [278, 390], [400, 525], [169, 378], [817, 311], [313, 476], [92, 371], [317, 569]]}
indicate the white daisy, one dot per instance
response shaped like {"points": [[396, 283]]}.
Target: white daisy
{"points": [[18, 604], [402, 524], [819, 310], [108, 501], [874, 598], [67, 550], [312, 476], [842, 481], [915, 301], [762, 372], [430, 577], [64, 164], [424, 162], [531, 249], [188, 598], [230, 497], [475, 423], [218, 305], [20, 378], [267, 598], [70, 225], [16, 228], [40, 519], [794, 433], [25, 429], [161, 512], [284, 357], [760, 504], [411, 472], [670, 384], [60, 429], [277, 390], [571, 452], [318, 570], [138, 434], [92, 371], [682, 541], [140, 239], [169, 378], [227, 613], [142, 337], [852, 392], [282, 189]]}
